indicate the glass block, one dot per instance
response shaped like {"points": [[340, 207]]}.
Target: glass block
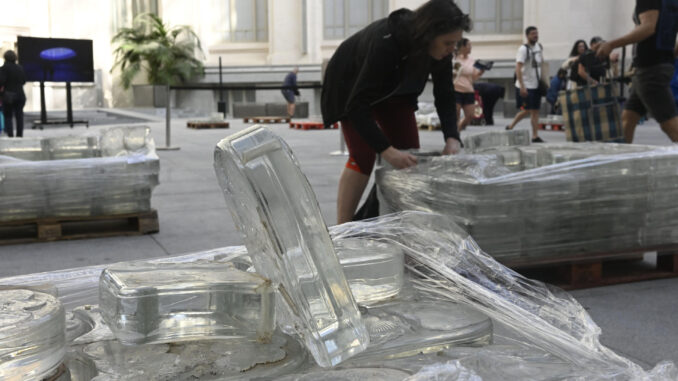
{"points": [[166, 302], [275, 208], [209, 360], [374, 269], [357, 374], [32, 340]]}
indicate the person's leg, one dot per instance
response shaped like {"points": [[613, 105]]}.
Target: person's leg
{"points": [[670, 128], [519, 116], [355, 175], [7, 112], [469, 109], [352, 184], [534, 120], [630, 120], [458, 114], [19, 115]]}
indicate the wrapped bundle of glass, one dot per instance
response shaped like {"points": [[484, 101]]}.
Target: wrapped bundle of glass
{"points": [[113, 173], [32, 339], [521, 202], [275, 208], [159, 303]]}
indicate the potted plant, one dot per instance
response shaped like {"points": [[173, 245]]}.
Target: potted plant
{"points": [[167, 55]]}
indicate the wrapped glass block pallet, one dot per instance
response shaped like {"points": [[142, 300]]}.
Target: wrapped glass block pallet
{"points": [[75, 177], [525, 202]]}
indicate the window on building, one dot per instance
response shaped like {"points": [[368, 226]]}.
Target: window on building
{"points": [[126, 10], [343, 18], [494, 16], [244, 20]]}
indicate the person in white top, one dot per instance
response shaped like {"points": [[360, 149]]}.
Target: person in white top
{"points": [[464, 76], [529, 69]]}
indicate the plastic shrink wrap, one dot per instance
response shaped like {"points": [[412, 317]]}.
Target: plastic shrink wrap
{"points": [[112, 173], [523, 202]]}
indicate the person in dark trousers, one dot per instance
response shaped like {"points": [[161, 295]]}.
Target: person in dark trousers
{"points": [[290, 90], [12, 80], [655, 36], [490, 94], [529, 69], [372, 83]]}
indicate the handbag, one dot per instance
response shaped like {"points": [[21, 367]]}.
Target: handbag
{"points": [[592, 113]]}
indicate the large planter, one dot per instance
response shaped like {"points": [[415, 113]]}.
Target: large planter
{"points": [[151, 96]]}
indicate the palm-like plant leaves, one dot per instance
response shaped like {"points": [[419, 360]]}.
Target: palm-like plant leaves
{"points": [[168, 55]]}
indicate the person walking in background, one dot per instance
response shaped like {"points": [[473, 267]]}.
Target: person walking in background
{"points": [[290, 90], [529, 69], [465, 75], [578, 49], [655, 35], [372, 83], [12, 80]]}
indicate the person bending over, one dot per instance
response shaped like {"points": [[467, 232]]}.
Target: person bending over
{"points": [[372, 83]]}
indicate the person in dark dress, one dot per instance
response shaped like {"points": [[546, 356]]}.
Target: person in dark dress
{"points": [[12, 80], [372, 83]]}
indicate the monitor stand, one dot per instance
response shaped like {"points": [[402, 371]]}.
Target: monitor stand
{"points": [[69, 111]]}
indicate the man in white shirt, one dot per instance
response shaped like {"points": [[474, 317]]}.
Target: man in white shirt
{"points": [[529, 69]]}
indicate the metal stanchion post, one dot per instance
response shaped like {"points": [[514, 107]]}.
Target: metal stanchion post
{"points": [[342, 147], [168, 138]]}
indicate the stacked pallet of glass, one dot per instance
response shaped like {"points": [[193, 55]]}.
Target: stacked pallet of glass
{"points": [[111, 173], [537, 201]]}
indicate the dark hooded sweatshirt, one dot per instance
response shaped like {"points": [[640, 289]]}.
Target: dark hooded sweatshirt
{"points": [[378, 63]]}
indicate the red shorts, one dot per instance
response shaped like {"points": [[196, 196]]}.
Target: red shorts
{"points": [[395, 117]]}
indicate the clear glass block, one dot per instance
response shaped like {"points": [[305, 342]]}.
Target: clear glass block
{"points": [[374, 269], [200, 360], [32, 339], [167, 302], [275, 208], [357, 374]]}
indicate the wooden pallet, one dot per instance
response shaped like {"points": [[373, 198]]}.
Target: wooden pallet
{"points": [[267, 119], [602, 269], [311, 125], [198, 125], [67, 228]]}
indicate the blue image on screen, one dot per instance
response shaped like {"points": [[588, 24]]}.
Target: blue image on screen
{"points": [[56, 59], [57, 54]]}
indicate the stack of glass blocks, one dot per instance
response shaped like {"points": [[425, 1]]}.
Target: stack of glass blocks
{"points": [[418, 278], [111, 173], [534, 201]]}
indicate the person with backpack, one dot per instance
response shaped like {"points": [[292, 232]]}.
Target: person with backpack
{"points": [[13, 78], [529, 84], [655, 38]]}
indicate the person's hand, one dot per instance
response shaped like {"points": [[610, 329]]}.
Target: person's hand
{"points": [[452, 146], [398, 159], [523, 92], [614, 57], [603, 50]]}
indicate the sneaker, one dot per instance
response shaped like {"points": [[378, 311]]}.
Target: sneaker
{"points": [[537, 140]]}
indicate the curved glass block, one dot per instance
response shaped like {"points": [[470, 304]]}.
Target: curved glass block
{"points": [[168, 302], [32, 339], [275, 208]]}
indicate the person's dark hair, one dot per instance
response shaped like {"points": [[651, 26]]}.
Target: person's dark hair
{"points": [[461, 43], [530, 29], [575, 52], [9, 56], [436, 17], [595, 40], [562, 73]]}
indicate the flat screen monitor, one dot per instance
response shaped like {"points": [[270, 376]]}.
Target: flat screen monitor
{"points": [[56, 59]]}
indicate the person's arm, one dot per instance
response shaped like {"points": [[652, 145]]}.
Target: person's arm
{"points": [[443, 94], [519, 76], [367, 90], [646, 28], [584, 75], [675, 51], [477, 73]]}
